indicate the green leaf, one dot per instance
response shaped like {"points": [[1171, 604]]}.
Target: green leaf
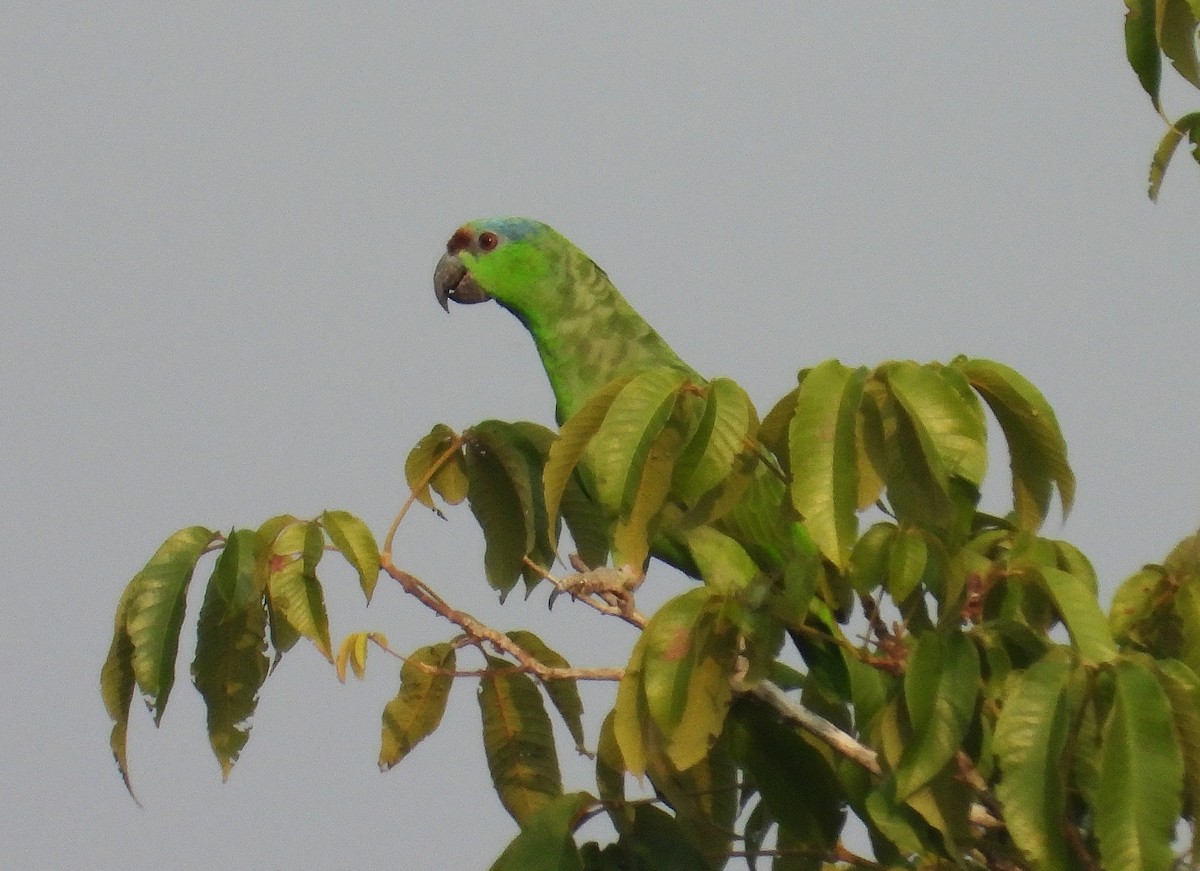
{"points": [[774, 430], [631, 719], [704, 798], [1188, 125], [631, 538], [354, 541], [949, 425], [1080, 612], [724, 564], [231, 662], [915, 491], [417, 709], [824, 456], [617, 455], [496, 504], [659, 842], [1141, 775], [450, 481], [296, 598], [587, 523], [610, 775], [907, 557], [574, 437], [547, 842], [1183, 690], [1135, 601], [1030, 743], [1037, 451], [117, 681], [941, 685], [870, 557], [1141, 46], [795, 779], [564, 693], [715, 467], [518, 741], [688, 660], [1175, 29], [155, 612]]}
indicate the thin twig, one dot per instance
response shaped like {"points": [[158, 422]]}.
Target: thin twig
{"points": [[481, 633]]}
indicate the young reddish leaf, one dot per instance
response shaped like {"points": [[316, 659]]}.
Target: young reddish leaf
{"points": [[449, 481], [941, 685], [824, 459], [117, 682], [564, 694], [417, 709], [231, 662], [547, 842], [518, 741], [354, 541], [1140, 776], [1037, 451], [155, 613], [574, 437], [296, 597], [1030, 741]]}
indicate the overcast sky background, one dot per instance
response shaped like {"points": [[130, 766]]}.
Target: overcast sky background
{"points": [[217, 234]]}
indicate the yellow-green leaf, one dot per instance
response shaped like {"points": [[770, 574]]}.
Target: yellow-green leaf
{"points": [[116, 684], [564, 693], [417, 709], [1140, 776], [574, 437], [354, 541], [1030, 743], [824, 458], [296, 597], [449, 481], [231, 661], [1037, 451], [155, 612], [518, 741]]}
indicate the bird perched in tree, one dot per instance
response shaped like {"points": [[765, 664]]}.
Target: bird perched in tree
{"points": [[587, 335]]}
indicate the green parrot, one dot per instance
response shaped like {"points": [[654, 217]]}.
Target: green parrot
{"points": [[588, 335]]}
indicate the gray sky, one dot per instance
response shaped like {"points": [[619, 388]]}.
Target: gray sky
{"points": [[219, 230]]}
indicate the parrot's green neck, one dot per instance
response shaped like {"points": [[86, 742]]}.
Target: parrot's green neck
{"points": [[587, 334]]}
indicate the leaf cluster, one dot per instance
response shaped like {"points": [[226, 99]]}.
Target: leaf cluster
{"points": [[985, 712], [1155, 29]]}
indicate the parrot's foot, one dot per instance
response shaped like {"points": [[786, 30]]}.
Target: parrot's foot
{"points": [[614, 586]]}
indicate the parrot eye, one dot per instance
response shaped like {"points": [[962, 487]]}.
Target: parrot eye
{"points": [[488, 240]]}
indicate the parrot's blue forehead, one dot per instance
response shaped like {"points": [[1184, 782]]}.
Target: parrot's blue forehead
{"points": [[513, 229]]}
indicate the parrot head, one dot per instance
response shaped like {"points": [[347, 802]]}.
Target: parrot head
{"points": [[505, 259]]}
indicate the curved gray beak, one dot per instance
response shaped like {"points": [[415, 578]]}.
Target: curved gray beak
{"points": [[452, 281]]}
